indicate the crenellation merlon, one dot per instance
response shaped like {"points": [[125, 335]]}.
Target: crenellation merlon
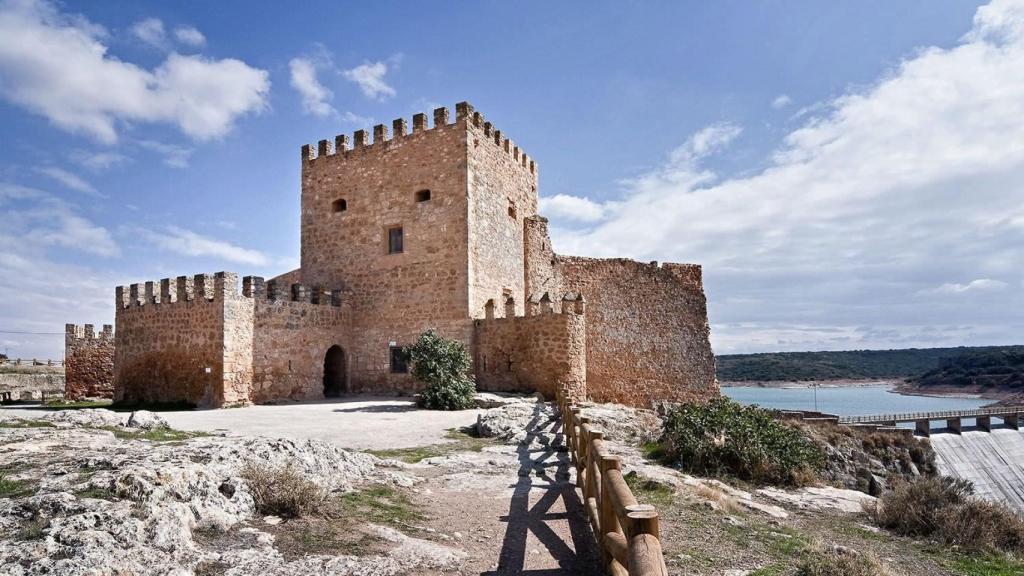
{"points": [[571, 303], [465, 115], [257, 288], [87, 332]]}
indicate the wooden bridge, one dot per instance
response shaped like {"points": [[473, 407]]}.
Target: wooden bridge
{"points": [[1010, 415]]}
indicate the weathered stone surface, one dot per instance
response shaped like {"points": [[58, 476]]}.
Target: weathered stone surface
{"points": [[131, 507], [146, 420], [821, 498], [89, 362], [497, 400], [510, 423]]}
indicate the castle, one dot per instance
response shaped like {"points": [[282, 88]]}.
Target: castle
{"points": [[429, 228]]}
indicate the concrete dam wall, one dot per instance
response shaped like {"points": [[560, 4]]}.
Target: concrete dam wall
{"points": [[994, 461]]}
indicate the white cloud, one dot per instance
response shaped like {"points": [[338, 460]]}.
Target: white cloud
{"points": [[188, 243], [98, 161], [34, 219], [57, 66], [570, 207], [151, 31], [315, 98], [370, 79], [979, 285], [781, 101], [69, 180], [881, 194], [190, 36], [170, 154]]}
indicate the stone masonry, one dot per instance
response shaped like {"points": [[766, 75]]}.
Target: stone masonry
{"points": [[416, 228], [89, 362]]}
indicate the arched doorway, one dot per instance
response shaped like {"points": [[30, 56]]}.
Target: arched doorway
{"points": [[334, 372]]}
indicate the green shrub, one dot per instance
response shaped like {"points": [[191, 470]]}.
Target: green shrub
{"points": [[442, 365], [846, 562], [725, 437], [945, 508]]}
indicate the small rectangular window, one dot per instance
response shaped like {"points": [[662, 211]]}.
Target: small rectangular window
{"points": [[399, 360], [395, 241]]}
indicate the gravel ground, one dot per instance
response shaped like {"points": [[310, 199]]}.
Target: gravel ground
{"points": [[357, 422]]}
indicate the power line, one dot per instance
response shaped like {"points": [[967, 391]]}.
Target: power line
{"points": [[33, 333]]}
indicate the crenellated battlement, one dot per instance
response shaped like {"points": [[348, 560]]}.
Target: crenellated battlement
{"points": [[569, 303], [88, 332], [257, 288], [344, 148], [218, 287]]}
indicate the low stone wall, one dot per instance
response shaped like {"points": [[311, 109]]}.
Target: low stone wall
{"points": [[536, 353], [32, 386], [89, 362]]}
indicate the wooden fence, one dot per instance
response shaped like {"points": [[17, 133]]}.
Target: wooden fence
{"points": [[32, 362], [626, 531]]}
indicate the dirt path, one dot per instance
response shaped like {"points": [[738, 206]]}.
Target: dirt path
{"points": [[513, 509]]}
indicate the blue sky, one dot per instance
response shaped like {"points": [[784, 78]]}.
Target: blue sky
{"points": [[849, 173]]}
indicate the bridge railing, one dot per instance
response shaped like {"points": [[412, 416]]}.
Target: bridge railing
{"points": [[911, 416], [627, 532]]}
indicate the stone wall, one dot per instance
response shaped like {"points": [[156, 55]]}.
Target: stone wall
{"points": [[502, 193], [534, 353], [647, 330], [33, 385], [290, 343], [174, 342], [89, 362]]}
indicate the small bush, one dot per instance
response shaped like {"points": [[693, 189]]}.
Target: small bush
{"points": [[282, 491], [725, 437], [442, 365], [945, 508]]}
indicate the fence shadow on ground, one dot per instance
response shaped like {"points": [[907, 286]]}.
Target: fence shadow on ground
{"points": [[545, 469]]}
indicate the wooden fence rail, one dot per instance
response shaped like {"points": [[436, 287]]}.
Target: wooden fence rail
{"points": [[626, 531], [31, 362]]}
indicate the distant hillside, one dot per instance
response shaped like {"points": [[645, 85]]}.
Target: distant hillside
{"points": [[979, 370], [853, 364]]}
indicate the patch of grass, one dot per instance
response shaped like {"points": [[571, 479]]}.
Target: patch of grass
{"points": [[18, 423], [77, 404], [648, 491], [15, 488], [211, 568], [35, 529], [832, 563], [652, 450], [154, 435], [179, 406], [96, 492], [283, 491], [463, 441], [772, 570], [987, 565], [381, 505]]}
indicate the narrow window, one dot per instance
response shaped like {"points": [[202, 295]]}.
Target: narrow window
{"points": [[399, 360], [423, 195], [395, 240], [511, 209], [339, 205]]}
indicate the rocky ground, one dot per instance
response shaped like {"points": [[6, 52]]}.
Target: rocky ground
{"points": [[96, 492]]}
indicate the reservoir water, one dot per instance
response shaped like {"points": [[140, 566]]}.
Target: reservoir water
{"points": [[849, 401]]}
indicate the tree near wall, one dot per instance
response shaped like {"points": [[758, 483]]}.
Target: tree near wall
{"points": [[443, 366]]}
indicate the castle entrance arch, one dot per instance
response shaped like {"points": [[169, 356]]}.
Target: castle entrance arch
{"points": [[335, 372]]}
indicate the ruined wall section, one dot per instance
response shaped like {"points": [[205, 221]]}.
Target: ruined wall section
{"points": [[294, 327], [542, 272], [502, 193], [394, 297], [647, 330], [88, 362], [538, 352], [182, 341]]}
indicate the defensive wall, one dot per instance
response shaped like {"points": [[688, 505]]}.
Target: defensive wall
{"points": [[647, 329], [88, 362], [543, 351], [204, 343]]}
